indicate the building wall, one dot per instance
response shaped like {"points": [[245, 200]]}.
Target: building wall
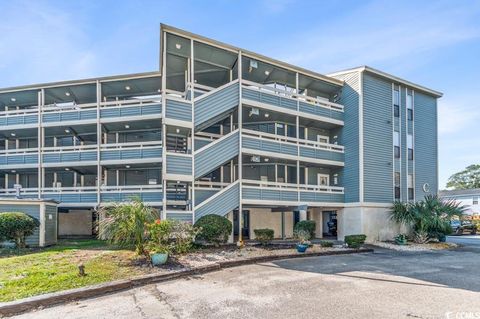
{"points": [[378, 139], [265, 218], [425, 148], [75, 223], [349, 136]]}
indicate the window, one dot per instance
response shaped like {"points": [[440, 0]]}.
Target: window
{"points": [[410, 187], [397, 185], [410, 105], [475, 200], [410, 146], [396, 144], [396, 101]]}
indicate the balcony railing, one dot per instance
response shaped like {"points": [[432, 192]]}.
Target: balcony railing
{"points": [[23, 111], [290, 186]]}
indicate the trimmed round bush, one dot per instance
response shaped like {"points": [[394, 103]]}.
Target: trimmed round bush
{"points": [[307, 225], [16, 226], [214, 229], [355, 241], [264, 235]]}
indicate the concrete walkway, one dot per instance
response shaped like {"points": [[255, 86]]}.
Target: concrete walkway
{"points": [[385, 284]]}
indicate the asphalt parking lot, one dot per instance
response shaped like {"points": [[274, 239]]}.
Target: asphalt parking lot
{"points": [[384, 284]]}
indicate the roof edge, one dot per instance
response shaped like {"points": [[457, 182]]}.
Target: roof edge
{"points": [[394, 78], [319, 76]]}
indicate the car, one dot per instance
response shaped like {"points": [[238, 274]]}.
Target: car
{"points": [[461, 227]]}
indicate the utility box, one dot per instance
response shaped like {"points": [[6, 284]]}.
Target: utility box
{"points": [[44, 210]]}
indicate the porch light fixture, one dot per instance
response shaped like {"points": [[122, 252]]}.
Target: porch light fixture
{"points": [[267, 115], [266, 159], [127, 126], [67, 130], [13, 134], [13, 99], [67, 169], [267, 73], [177, 130], [178, 46], [127, 88], [127, 166], [67, 93], [13, 171]]}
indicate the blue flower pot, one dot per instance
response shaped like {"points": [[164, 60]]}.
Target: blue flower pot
{"points": [[301, 248], [159, 259]]}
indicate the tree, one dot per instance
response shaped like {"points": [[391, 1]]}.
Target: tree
{"points": [[466, 179], [124, 224], [429, 217]]}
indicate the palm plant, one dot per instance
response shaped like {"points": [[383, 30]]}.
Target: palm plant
{"points": [[123, 224], [429, 217]]}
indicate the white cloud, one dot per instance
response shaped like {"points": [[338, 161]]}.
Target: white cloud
{"points": [[457, 114]]}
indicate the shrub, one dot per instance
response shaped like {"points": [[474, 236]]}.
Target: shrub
{"points": [[124, 224], [302, 235], [326, 243], [264, 236], [214, 229], [17, 226], [159, 233], [307, 225], [355, 241], [183, 235]]}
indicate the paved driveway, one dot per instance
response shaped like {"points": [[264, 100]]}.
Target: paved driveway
{"points": [[384, 284]]}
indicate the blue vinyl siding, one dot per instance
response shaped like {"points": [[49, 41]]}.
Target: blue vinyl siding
{"points": [[267, 98], [378, 139], [183, 217], [78, 156], [31, 210], [269, 194], [129, 196], [349, 136], [206, 160], [136, 110], [177, 164], [225, 202], [218, 103], [69, 116], [203, 194], [72, 197], [425, 147], [321, 197], [269, 146], [320, 111], [18, 120], [321, 154], [178, 110], [199, 143], [18, 159], [151, 152]]}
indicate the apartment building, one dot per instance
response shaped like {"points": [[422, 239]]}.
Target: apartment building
{"points": [[222, 130]]}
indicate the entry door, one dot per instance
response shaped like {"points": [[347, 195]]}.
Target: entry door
{"points": [[323, 179]]}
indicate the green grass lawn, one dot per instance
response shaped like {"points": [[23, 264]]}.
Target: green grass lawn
{"points": [[30, 272]]}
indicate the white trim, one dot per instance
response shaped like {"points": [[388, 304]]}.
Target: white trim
{"points": [[215, 142], [42, 230], [360, 138]]}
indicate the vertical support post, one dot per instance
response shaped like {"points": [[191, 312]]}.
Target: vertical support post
{"points": [[240, 161], [297, 124], [40, 144], [99, 143], [283, 225], [192, 96], [163, 37]]}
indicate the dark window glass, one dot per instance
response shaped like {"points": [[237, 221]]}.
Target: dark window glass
{"points": [[410, 194], [396, 110], [397, 192], [410, 154], [397, 151], [410, 114]]}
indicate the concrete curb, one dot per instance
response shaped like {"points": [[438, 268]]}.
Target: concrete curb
{"points": [[55, 298]]}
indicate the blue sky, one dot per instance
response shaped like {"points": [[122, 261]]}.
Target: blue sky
{"points": [[433, 43]]}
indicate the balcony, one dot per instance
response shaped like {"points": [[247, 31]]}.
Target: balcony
{"points": [[263, 96], [256, 192], [309, 151], [117, 153], [70, 155], [27, 117], [130, 109], [19, 158], [69, 113], [152, 194]]}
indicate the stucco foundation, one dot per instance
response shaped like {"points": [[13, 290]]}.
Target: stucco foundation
{"points": [[265, 218], [75, 223]]}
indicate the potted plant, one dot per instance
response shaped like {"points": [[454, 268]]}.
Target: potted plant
{"points": [[303, 237], [159, 241], [401, 239]]}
